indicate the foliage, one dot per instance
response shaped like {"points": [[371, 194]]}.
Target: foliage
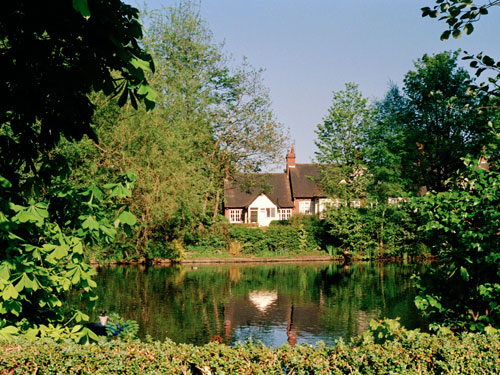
{"points": [[461, 228], [361, 167], [118, 326], [39, 266], [280, 238], [442, 124], [54, 56], [381, 230], [342, 135], [460, 15], [408, 352], [211, 118], [62, 52]]}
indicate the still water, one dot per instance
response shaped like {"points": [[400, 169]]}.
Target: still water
{"points": [[275, 304]]}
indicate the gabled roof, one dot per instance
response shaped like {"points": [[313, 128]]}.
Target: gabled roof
{"points": [[303, 178], [244, 189]]}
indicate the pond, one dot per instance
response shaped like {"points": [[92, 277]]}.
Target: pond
{"points": [[294, 303]]}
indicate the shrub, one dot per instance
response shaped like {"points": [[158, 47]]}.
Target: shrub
{"points": [[386, 349], [462, 290]]}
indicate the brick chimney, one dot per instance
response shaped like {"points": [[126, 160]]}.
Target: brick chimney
{"points": [[290, 160]]}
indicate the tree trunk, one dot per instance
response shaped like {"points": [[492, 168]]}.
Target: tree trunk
{"points": [[381, 242], [216, 205]]}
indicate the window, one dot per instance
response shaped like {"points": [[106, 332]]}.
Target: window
{"points": [[305, 207], [254, 215], [236, 215], [285, 213], [271, 212], [356, 203]]}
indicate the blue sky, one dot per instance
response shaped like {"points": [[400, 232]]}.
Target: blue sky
{"points": [[311, 48]]}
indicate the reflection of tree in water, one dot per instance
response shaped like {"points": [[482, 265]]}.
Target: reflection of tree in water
{"points": [[195, 304]]}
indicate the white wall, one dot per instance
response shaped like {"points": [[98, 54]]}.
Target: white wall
{"points": [[262, 202]]}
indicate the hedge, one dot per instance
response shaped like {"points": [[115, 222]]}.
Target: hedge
{"points": [[381, 351]]}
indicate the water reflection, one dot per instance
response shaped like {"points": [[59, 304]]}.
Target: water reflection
{"points": [[292, 303]]}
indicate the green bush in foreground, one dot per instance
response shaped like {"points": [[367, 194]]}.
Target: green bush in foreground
{"points": [[386, 349]]}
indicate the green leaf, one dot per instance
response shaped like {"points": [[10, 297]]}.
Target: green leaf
{"points": [[488, 61], [4, 272], [90, 223], [8, 332], [82, 7], [445, 35], [464, 273], [9, 292], [468, 28], [127, 218], [60, 252], [140, 64], [23, 283]]}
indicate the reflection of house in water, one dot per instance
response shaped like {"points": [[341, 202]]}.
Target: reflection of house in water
{"points": [[262, 299], [265, 314], [268, 308]]}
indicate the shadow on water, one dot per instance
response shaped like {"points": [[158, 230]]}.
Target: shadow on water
{"points": [[275, 304]]}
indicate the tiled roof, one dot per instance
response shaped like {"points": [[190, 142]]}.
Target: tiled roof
{"points": [[243, 190], [303, 178]]}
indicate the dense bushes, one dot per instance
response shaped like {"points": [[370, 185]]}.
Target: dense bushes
{"points": [[386, 349], [383, 229], [298, 235], [462, 224], [363, 232]]}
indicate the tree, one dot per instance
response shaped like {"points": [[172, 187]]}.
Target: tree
{"points": [[439, 123], [211, 119], [341, 143], [344, 177], [54, 55], [342, 134]]}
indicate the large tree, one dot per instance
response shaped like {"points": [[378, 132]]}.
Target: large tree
{"points": [[437, 122], [212, 118]]}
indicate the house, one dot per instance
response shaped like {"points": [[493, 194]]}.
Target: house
{"points": [[258, 198], [263, 197]]}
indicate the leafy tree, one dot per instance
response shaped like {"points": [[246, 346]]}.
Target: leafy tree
{"points": [[463, 288], [341, 143], [342, 135], [438, 122], [358, 145], [210, 119], [53, 56]]}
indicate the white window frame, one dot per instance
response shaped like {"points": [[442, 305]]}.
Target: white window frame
{"points": [[356, 203], [285, 213], [305, 207], [236, 215], [271, 212]]}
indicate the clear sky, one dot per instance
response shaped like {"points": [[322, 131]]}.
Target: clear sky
{"points": [[311, 48]]}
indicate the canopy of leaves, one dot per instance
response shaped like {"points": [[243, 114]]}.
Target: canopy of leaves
{"points": [[461, 227], [210, 120], [435, 121], [53, 54]]}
